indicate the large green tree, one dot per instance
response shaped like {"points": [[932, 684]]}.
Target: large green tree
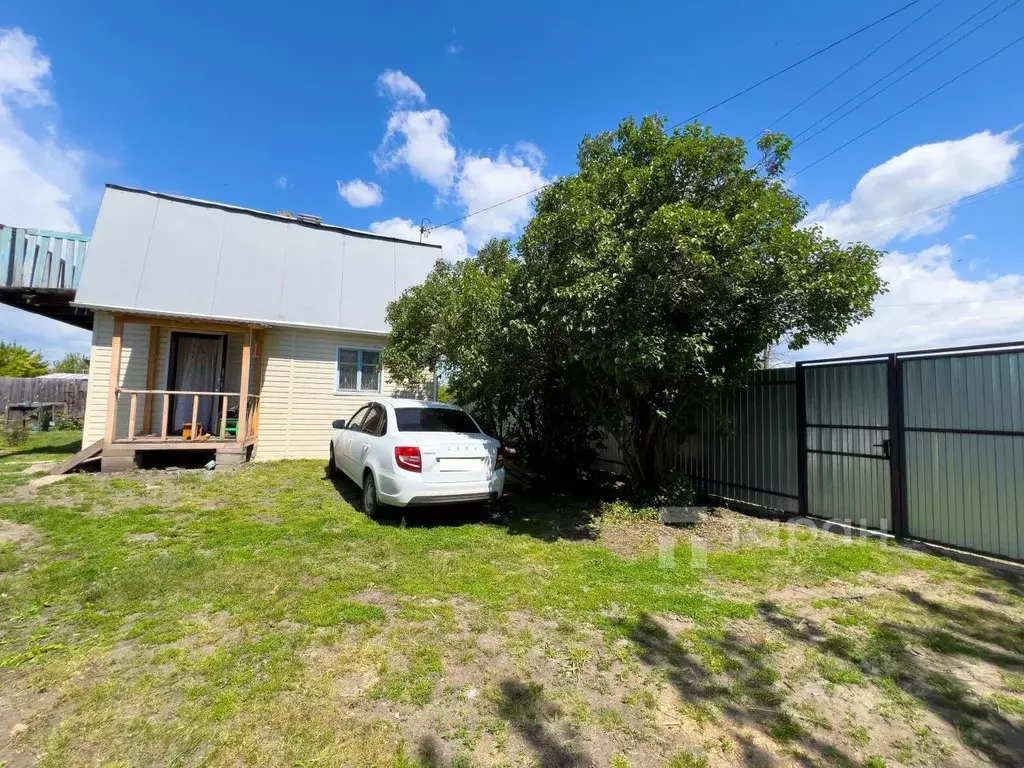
{"points": [[666, 266], [449, 326], [644, 287], [461, 324], [19, 361]]}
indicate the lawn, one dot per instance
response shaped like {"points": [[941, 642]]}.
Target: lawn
{"points": [[256, 618]]}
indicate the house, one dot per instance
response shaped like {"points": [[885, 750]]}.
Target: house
{"points": [[233, 332]]}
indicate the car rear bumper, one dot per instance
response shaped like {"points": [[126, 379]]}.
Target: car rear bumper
{"points": [[414, 492], [423, 501]]}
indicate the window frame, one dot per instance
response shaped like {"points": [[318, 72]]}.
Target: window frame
{"points": [[338, 389]]}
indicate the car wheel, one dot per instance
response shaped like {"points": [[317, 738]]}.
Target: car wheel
{"points": [[332, 465], [369, 496]]}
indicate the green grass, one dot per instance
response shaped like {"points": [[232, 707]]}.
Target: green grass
{"points": [[257, 616], [688, 760]]}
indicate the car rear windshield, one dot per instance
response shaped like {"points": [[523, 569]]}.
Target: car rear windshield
{"points": [[434, 420]]}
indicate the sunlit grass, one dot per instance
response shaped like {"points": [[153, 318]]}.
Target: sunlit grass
{"points": [[193, 618]]}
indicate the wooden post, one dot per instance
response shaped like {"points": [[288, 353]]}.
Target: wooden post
{"points": [[166, 417], [243, 389], [195, 414], [114, 378], [223, 417], [131, 416], [154, 348]]}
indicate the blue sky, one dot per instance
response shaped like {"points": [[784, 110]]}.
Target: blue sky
{"points": [[378, 116]]}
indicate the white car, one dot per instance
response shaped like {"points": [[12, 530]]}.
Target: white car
{"points": [[409, 452]]}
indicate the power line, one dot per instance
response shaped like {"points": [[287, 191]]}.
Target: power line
{"points": [[896, 114], [721, 103], [796, 64], [955, 201], [895, 69], [850, 68], [832, 45], [489, 207], [900, 78]]}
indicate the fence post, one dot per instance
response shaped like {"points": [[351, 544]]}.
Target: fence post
{"points": [[897, 450], [801, 438]]}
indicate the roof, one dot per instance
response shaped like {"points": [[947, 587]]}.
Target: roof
{"points": [[169, 255]]}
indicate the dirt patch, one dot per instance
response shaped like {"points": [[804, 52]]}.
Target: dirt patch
{"points": [[38, 466], [17, 533], [266, 519], [141, 538], [718, 529]]}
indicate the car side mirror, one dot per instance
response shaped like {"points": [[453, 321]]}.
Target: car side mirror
{"points": [[338, 423]]}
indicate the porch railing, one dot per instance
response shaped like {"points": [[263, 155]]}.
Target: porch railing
{"points": [[246, 428]]}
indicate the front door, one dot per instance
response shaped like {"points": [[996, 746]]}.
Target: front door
{"points": [[196, 365]]}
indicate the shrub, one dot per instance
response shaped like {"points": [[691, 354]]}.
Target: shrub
{"points": [[13, 433]]}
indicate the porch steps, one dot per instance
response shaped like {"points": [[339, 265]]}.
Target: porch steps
{"points": [[89, 453]]}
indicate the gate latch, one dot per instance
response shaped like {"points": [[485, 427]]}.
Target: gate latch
{"points": [[885, 445]]}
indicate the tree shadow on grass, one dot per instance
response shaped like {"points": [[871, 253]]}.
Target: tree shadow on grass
{"points": [[884, 658], [73, 444], [547, 517], [524, 707], [526, 711], [429, 753], [550, 517], [733, 676]]}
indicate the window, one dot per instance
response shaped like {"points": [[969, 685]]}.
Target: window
{"points": [[434, 420], [357, 419], [359, 370], [375, 421]]}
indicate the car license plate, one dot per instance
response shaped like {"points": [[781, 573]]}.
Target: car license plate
{"points": [[460, 465]]}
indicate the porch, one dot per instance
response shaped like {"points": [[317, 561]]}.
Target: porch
{"points": [[200, 395]]}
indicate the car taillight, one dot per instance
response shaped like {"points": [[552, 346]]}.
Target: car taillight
{"points": [[408, 457], [499, 458]]}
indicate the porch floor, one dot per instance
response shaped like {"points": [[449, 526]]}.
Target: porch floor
{"points": [[123, 454], [155, 442]]}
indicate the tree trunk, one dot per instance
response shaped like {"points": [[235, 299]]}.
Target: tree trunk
{"points": [[644, 448]]}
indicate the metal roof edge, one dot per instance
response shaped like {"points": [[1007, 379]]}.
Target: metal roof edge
{"points": [[224, 319], [265, 215]]}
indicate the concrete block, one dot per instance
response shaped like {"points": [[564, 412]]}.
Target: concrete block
{"points": [[681, 515]]}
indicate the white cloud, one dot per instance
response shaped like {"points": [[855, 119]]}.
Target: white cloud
{"points": [[485, 182], [281, 182], [453, 49], [50, 337], [398, 86], [23, 69], [420, 140], [360, 194], [452, 240], [40, 176], [930, 305], [924, 177], [42, 180]]}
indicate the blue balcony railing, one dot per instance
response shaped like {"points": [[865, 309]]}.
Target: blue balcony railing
{"points": [[36, 258]]}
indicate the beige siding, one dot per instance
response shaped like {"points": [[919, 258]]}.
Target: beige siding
{"points": [[134, 358], [299, 401]]}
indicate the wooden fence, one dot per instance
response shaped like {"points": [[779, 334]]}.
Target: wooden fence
{"points": [[71, 392]]}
